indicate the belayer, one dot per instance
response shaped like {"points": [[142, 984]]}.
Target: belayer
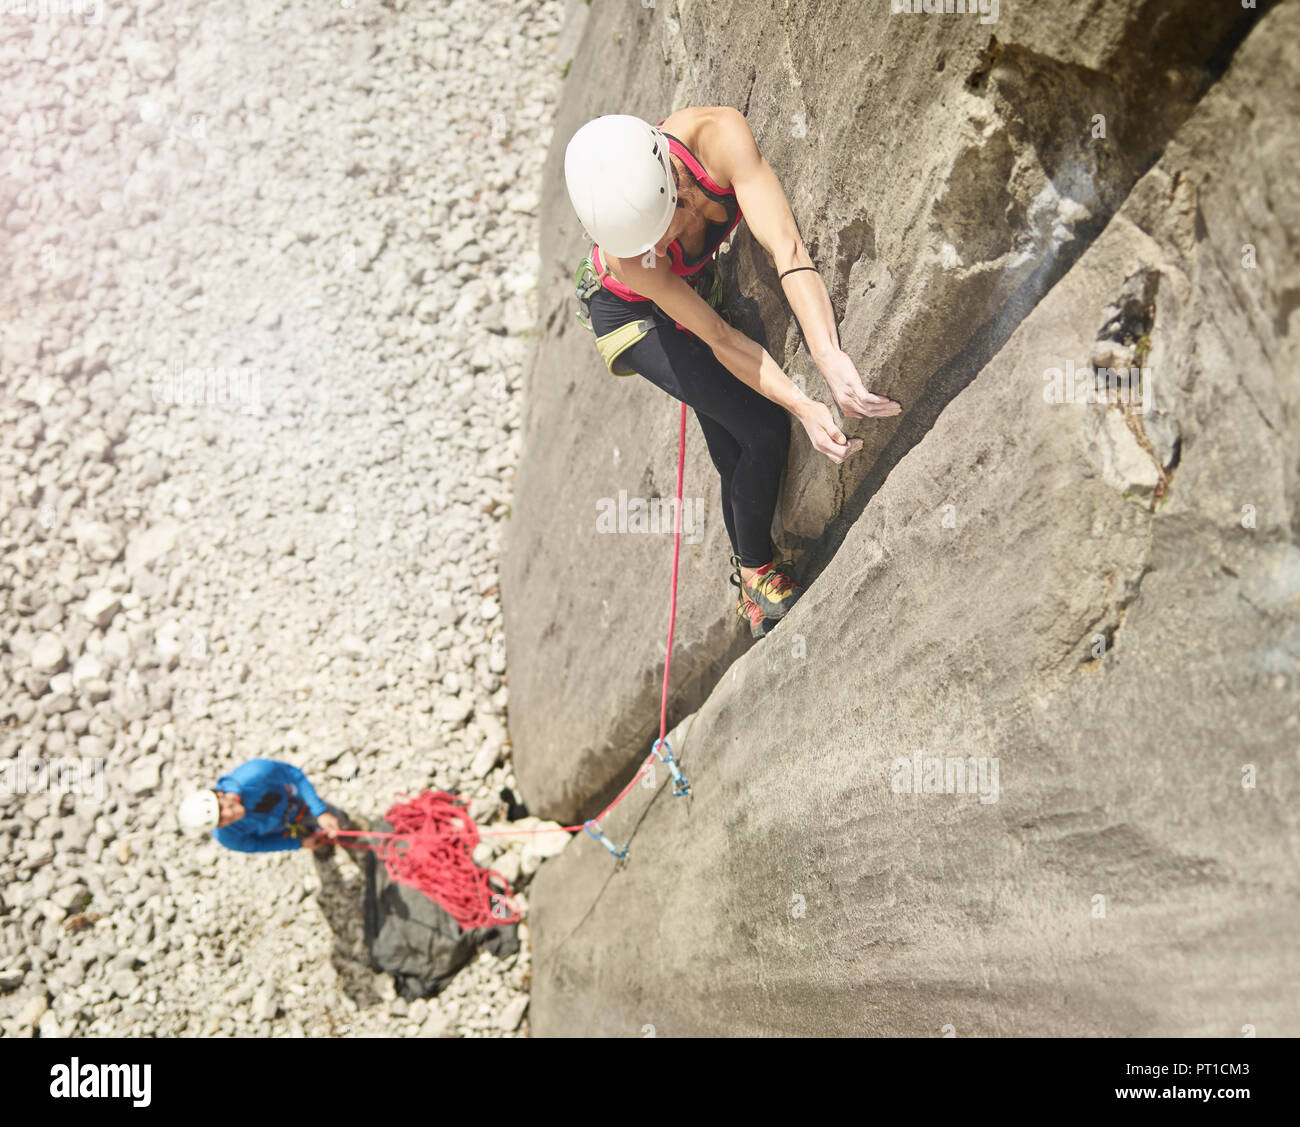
{"points": [[263, 806], [658, 204]]}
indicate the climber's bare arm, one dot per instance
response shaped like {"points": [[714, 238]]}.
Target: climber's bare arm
{"points": [[744, 358], [768, 214]]}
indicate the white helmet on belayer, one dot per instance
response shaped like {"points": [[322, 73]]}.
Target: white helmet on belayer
{"points": [[620, 181], [200, 811]]}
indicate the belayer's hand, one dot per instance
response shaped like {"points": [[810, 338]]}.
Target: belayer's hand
{"points": [[329, 825], [825, 435], [850, 393]]}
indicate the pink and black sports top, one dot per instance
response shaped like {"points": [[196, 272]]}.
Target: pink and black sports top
{"points": [[715, 232]]}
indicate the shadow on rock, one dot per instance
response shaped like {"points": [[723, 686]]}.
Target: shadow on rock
{"points": [[342, 901]]}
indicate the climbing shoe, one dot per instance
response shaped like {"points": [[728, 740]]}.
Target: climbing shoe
{"points": [[751, 612], [773, 587]]}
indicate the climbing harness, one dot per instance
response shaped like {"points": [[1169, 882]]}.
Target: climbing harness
{"points": [[587, 280], [296, 826]]}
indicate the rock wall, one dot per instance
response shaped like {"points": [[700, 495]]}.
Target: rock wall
{"points": [[1093, 607], [944, 171]]}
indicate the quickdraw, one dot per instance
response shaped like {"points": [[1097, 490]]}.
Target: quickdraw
{"points": [[599, 835], [681, 786]]}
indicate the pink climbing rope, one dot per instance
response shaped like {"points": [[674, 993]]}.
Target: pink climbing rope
{"points": [[432, 844], [672, 621]]}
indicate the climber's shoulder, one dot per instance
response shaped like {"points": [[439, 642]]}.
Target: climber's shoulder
{"points": [[719, 136]]}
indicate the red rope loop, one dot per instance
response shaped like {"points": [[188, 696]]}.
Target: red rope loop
{"points": [[431, 849]]}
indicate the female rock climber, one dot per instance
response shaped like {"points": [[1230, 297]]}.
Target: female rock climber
{"points": [[658, 202]]}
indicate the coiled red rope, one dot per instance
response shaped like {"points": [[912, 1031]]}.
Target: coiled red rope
{"points": [[431, 849]]}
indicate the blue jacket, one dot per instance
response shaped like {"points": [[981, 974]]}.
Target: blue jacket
{"points": [[276, 797]]}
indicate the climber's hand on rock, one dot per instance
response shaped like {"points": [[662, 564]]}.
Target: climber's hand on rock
{"points": [[849, 392], [825, 435]]}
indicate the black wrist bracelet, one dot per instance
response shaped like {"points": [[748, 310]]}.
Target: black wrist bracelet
{"points": [[794, 268]]}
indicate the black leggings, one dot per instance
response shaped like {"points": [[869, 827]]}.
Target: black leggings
{"points": [[748, 435]]}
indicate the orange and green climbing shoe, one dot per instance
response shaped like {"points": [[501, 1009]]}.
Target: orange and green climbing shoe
{"points": [[751, 612], [773, 587]]}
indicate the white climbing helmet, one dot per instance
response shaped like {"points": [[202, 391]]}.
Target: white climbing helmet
{"points": [[200, 811], [620, 181]]}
